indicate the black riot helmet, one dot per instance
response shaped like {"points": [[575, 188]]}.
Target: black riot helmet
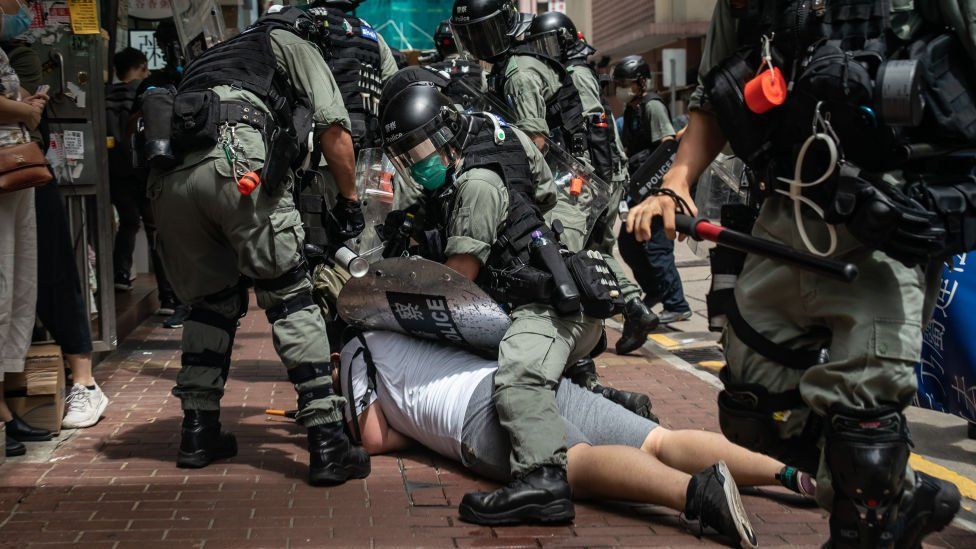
{"points": [[418, 123], [487, 28], [554, 34], [444, 39], [411, 76], [632, 68]]}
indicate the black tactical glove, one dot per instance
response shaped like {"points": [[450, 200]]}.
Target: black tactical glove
{"points": [[345, 220], [885, 218]]}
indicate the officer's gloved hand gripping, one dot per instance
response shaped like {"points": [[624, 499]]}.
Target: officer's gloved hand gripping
{"points": [[702, 142], [346, 220]]}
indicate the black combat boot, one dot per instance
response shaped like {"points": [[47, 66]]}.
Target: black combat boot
{"points": [[713, 500], [333, 459], [639, 321], [933, 505], [543, 496], [203, 442]]}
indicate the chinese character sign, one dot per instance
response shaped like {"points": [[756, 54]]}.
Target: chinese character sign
{"points": [[145, 41], [947, 373]]}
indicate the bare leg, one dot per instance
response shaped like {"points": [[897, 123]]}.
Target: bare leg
{"points": [[81, 368], [692, 451], [623, 472], [5, 414]]}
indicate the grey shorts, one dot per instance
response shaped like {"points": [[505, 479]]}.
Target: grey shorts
{"points": [[589, 419]]}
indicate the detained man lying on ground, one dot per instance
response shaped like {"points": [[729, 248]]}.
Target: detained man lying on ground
{"points": [[441, 397]]}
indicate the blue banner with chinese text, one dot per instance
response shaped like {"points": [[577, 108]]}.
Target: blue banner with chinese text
{"points": [[947, 372]]}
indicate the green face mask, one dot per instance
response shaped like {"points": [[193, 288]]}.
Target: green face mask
{"points": [[430, 172]]}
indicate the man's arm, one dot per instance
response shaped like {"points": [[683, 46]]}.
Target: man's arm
{"points": [[481, 207], [658, 119], [526, 92], [466, 264], [388, 66], [702, 142], [378, 436], [337, 148]]}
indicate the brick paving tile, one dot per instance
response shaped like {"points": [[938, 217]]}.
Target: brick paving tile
{"points": [[115, 485]]}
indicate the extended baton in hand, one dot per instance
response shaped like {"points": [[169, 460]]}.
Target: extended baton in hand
{"points": [[702, 229]]}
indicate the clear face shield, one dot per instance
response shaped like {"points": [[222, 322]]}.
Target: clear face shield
{"points": [[424, 157]]}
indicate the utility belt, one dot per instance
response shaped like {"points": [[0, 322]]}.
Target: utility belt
{"points": [[175, 124]]}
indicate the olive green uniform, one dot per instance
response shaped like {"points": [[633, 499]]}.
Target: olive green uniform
{"points": [[876, 322], [210, 234], [604, 240], [540, 343]]}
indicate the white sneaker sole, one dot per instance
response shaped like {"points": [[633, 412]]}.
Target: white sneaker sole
{"points": [[747, 534], [91, 420]]}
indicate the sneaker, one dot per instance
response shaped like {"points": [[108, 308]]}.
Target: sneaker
{"points": [[797, 481], [670, 317], [123, 283], [179, 316], [713, 500], [84, 407], [167, 306]]}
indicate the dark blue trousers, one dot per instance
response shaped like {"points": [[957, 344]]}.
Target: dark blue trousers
{"points": [[654, 268]]}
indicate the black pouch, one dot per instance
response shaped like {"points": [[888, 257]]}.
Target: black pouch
{"points": [[950, 90], [196, 120], [521, 286], [599, 289], [286, 148], [153, 146], [748, 133]]}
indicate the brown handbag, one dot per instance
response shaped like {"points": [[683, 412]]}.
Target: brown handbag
{"points": [[22, 167]]}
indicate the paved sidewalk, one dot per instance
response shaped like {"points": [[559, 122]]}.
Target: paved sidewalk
{"points": [[116, 485]]}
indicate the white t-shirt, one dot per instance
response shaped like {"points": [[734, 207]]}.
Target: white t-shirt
{"points": [[425, 386]]}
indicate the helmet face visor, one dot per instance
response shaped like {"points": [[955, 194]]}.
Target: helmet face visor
{"points": [[548, 44], [416, 147], [487, 38]]}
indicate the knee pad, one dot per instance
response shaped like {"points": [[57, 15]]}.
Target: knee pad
{"points": [[747, 415], [208, 358], [289, 307], [866, 452], [304, 373]]}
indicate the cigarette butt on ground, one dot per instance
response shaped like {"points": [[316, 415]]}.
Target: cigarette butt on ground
{"points": [[282, 413]]}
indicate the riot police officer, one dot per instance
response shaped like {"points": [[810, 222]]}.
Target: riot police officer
{"points": [[647, 124], [361, 63], [242, 112], [487, 189], [820, 371], [546, 102], [466, 77]]}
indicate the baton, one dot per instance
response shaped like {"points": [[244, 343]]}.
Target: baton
{"points": [[702, 229], [282, 413]]}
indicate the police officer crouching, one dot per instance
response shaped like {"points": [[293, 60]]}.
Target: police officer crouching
{"points": [[487, 188], [240, 119], [844, 115], [547, 103]]}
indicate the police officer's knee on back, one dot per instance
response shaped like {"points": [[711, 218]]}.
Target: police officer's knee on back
{"points": [[242, 116]]}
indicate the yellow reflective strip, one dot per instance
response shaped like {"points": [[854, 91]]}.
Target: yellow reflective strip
{"points": [[664, 340]]}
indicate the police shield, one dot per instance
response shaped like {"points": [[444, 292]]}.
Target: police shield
{"points": [[424, 299], [374, 184]]}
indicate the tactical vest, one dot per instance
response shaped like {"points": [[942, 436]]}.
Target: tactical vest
{"points": [[352, 51], [829, 52], [246, 61], [564, 109], [636, 136], [510, 251], [465, 84]]}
